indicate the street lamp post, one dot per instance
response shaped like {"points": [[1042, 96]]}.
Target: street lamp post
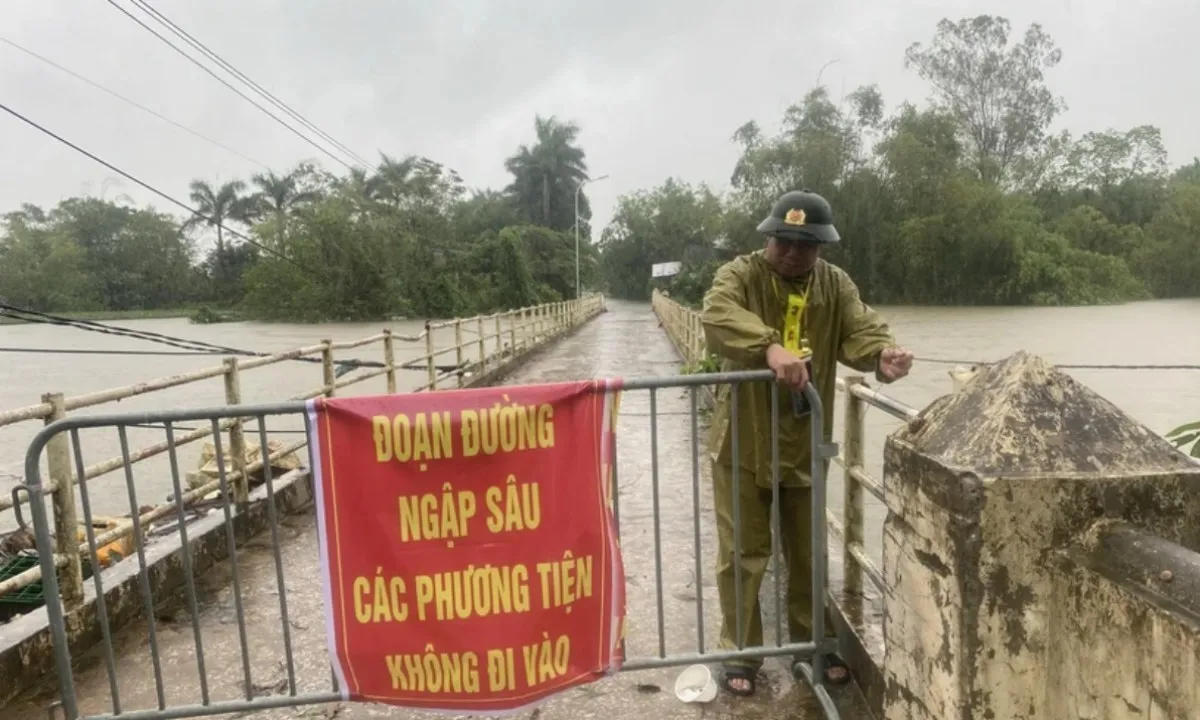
{"points": [[578, 290]]}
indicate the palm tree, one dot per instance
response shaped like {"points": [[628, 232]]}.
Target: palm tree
{"points": [[545, 176], [219, 207], [278, 195]]}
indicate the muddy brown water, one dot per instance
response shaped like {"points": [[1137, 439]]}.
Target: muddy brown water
{"points": [[624, 342]]}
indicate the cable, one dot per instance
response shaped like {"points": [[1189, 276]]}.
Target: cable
{"points": [[64, 351], [946, 361], [151, 188], [195, 347], [263, 92], [126, 100], [221, 80]]}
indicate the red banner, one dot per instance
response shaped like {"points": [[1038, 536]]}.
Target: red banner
{"points": [[468, 544]]}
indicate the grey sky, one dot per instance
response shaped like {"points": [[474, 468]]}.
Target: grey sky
{"points": [[658, 86]]}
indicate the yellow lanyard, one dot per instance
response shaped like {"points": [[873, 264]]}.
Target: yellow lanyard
{"points": [[793, 320]]}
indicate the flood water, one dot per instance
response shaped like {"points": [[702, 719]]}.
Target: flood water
{"points": [[1157, 332]]}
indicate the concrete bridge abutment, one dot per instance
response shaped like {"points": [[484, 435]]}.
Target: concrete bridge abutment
{"points": [[1041, 556]]}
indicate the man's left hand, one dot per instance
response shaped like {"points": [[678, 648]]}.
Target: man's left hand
{"points": [[894, 363]]}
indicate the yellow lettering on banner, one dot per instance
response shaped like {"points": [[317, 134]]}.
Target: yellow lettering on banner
{"points": [[566, 581], [473, 592], [427, 436], [436, 517], [381, 600], [506, 428], [501, 670], [516, 506], [546, 660], [434, 672]]}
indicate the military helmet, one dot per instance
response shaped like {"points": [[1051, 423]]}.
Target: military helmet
{"points": [[801, 215]]}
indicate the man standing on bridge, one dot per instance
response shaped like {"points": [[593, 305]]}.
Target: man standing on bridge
{"points": [[785, 309]]}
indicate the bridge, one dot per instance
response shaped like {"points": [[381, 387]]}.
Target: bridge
{"points": [[1048, 574]]}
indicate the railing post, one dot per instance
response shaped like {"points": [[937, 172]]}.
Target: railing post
{"points": [[237, 438], [389, 360], [327, 367], [430, 351], [458, 349], [512, 332], [482, 347], [852, 504], [499, 335], [66, 523]]}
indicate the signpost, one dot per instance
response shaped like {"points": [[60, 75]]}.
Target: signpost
{"points": [[665, 269]]}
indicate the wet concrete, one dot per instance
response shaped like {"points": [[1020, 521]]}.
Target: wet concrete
{"points": [[624, 342]]}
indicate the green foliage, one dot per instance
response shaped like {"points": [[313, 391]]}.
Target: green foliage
{"points": [[968, 201], [404, 239], [1187, 435], [707, 364]]}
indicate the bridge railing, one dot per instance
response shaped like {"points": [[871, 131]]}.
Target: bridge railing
{"points": [[479, 345], [682, 324]]}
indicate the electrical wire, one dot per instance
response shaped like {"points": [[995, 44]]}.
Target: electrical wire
{"points": [[151, 188], [228, 67], [224, 82], [948, 361], [193, 347], [127, 101]]}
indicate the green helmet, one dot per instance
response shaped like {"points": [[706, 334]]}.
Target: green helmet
{"points": [[801, 215]]}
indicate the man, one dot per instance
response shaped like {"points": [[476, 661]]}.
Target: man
{"points": [[785, 309]]}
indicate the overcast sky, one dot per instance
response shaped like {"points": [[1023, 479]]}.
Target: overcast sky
{"points": [[658, 86]]}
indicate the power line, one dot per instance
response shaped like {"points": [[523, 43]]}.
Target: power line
{"points": [[263, 92], [947, 361], [151, 188], [65, 351], [126, 100], [191, 347], [224, 82]]}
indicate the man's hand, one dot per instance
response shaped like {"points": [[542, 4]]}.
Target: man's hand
{"points": [[894, 363], [789, 369]]}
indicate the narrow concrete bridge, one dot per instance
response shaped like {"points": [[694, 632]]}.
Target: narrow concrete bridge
{"points": [[1009, 558]]}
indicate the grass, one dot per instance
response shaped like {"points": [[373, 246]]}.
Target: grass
{"points": [[101, 315]]}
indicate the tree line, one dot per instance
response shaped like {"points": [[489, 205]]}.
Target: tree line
{"points": [[971, 199], [404, 238]]}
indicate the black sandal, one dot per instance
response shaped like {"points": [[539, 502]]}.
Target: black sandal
{"points": [[738, 672], [831, 662]]}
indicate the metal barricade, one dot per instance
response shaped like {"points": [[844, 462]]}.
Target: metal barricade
{"points": [[257, 614]]}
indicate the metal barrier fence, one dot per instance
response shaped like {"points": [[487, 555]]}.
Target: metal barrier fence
{"points": [[283, 592], [480, 344]]}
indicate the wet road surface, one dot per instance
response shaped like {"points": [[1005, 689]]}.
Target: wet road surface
{"points": [[626, 342]]}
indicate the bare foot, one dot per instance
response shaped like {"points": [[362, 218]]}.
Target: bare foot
{"points": [[740, 685], [837, 675]]}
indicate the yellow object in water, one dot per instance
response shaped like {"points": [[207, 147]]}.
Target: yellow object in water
{"points": [[114, 551]]}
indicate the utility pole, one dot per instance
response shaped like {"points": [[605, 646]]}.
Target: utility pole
{"points": [[579, 290]]}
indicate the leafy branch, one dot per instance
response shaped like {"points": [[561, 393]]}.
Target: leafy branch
{"points": [[1187, 435]]}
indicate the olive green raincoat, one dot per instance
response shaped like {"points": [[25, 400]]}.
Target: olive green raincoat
{"points": [[743, 315]]}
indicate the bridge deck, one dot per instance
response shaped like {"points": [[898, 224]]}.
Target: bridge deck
{"points": [[626, 341]]}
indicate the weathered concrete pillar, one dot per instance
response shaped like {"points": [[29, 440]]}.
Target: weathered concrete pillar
{"points": [[1002, 499]]}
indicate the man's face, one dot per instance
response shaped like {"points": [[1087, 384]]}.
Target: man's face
{"points": [[792, 258]]}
